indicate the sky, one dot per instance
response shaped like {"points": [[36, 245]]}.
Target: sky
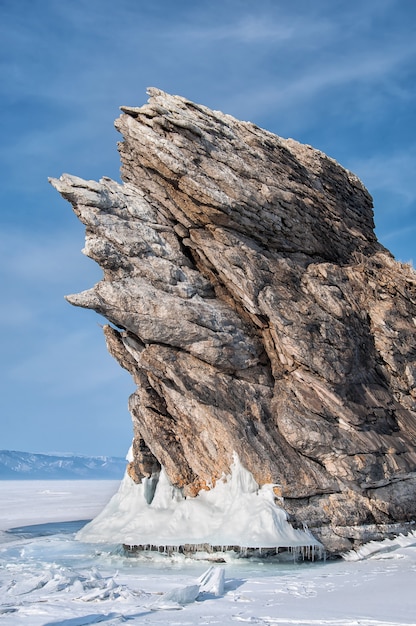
{"points": [[338, 75]]}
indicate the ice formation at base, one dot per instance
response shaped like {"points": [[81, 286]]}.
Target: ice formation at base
{"points": [[236, 512]]}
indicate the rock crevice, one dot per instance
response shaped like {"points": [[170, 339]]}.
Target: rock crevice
{"points": [[258, 314]]}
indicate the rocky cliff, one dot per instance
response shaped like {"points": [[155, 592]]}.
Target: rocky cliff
{"points": [[255, 309]]}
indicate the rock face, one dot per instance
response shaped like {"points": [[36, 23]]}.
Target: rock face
{"points": [[257, 312]]}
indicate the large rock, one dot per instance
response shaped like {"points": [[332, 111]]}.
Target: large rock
{"points": [[257, 312]]}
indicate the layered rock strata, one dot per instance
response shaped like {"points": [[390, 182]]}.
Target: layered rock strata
{"points": [[251, 302]]}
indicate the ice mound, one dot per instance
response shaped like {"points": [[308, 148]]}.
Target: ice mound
{"points": [[236, 512], [378, 549]]}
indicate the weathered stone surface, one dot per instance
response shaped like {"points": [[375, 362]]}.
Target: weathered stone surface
{"points": [[257, 313]]}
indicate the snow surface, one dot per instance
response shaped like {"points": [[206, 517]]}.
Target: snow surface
{"points": [[47, 578], [236, 512], [57, 500]]}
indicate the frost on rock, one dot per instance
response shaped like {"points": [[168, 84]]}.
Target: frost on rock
{"points": [[236, 513]]}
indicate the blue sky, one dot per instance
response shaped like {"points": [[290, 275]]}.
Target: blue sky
{"points": [[338, 75]]}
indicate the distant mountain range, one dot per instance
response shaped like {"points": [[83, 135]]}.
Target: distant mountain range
{"points": [[27, 466]]}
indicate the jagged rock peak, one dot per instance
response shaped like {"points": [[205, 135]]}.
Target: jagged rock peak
{"points": [[298, 198], [258, 314]]}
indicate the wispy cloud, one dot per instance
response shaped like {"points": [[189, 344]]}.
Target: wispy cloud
{"points": [[394, 173], [37, 270], [372, 73], [400, 232], [79, 357], [44, 259], [252, 28]]}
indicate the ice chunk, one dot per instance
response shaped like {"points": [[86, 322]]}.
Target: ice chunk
{"points": [[176, 598], [212, 581]]}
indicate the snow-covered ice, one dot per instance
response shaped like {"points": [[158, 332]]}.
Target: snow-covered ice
{"points": [[48, 578], [35, 501]]}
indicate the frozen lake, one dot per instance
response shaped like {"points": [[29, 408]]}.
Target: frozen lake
{"points": [[48, 578]]}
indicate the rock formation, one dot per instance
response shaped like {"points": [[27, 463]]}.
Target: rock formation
{"points": [[255, 309]]}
